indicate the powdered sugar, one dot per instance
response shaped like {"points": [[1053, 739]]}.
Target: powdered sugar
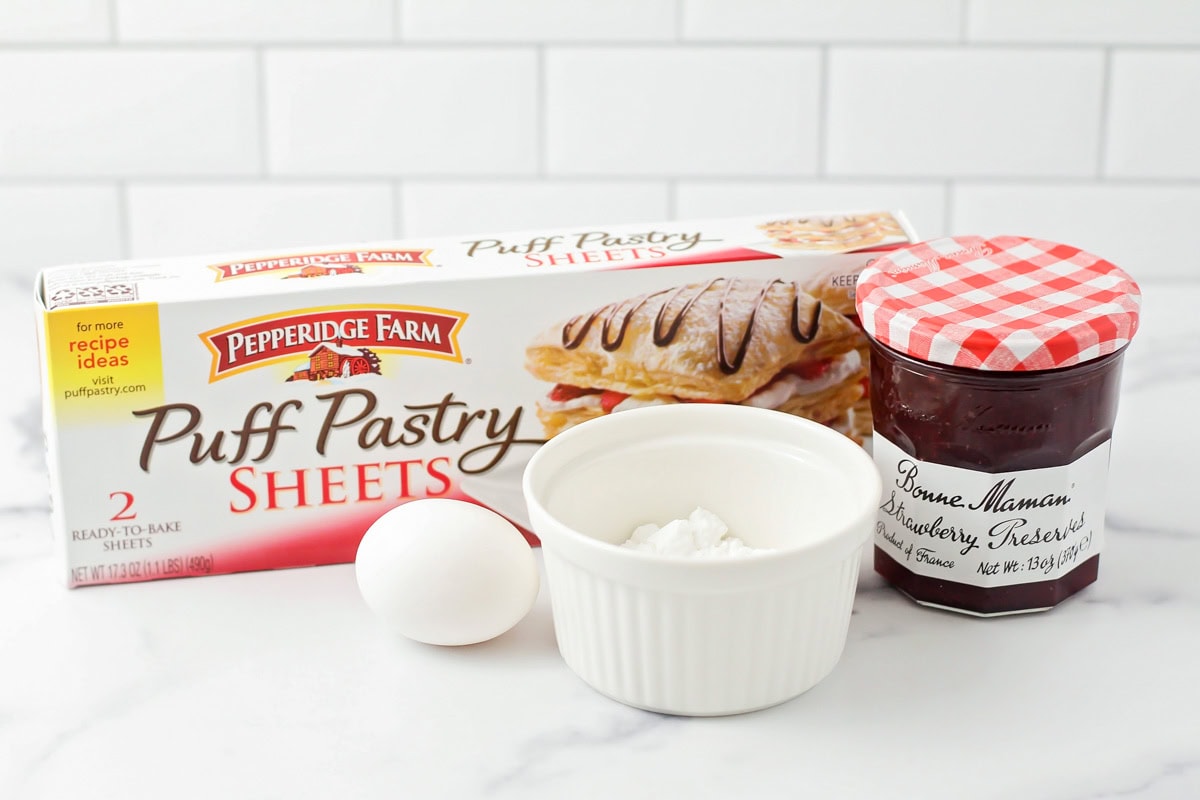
{"points": [[702, 535]]}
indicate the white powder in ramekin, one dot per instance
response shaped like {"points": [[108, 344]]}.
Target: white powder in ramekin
{"points": [[702, 535]]}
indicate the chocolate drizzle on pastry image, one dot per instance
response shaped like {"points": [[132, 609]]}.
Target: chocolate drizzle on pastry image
{"points": [[848, 232], [766, 343], [668, 321]]}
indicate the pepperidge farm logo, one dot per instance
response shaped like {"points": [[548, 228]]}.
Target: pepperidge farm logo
{"points": [[335, 342], [316, 265]]}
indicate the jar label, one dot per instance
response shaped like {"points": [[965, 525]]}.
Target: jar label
{"points": [[989, 528]]}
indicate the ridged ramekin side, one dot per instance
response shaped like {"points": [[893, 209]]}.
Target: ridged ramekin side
{"points": [[701, 653]]}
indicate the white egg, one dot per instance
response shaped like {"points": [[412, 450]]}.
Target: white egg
{"points": [[446, 572]]}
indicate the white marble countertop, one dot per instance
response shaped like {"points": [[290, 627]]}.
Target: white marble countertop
{"points": [[281, 684]]}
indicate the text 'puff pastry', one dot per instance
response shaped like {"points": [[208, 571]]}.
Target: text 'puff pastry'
{"points": [[735, 340]]}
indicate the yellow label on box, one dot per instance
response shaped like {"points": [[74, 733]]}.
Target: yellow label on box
{"points": [[104, 360]]}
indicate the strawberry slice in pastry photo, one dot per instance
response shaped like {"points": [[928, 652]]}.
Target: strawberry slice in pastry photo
{"points": [[764, 343]]}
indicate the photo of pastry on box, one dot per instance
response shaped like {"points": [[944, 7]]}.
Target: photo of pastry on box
{"points": [[758, 342], [838, 232]]}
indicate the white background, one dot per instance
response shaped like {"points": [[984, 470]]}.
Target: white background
{"points": [[133, 128]]}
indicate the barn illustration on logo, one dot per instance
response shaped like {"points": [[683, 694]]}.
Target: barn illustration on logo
{"points": [[319, 271], [337, 360]]}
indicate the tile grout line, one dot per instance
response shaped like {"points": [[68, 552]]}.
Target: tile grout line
{"points": [[543, 117], [679, 13], [847, 179], [113, 27], [948, 209], [260, 99], [397, 209], [1105, 114], [591, 44], [397, 21], [124, 219], [22, 510], [964, 21], [823, 112]]}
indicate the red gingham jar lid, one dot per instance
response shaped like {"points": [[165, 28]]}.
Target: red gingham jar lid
{"points": [[1005, 304]]}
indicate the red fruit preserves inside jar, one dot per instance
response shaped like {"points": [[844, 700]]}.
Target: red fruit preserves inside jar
{"points": [[995, 374]]}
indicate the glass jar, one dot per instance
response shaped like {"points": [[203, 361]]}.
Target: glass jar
{"points": [[993, 401]]}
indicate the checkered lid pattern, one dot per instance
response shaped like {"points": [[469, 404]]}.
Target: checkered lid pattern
{"points": [[1004, 304]]}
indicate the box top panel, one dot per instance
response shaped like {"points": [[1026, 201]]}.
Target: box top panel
{"points": [[579, 249]]}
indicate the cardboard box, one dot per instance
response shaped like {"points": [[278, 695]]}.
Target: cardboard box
{"points": [[220, 414]]}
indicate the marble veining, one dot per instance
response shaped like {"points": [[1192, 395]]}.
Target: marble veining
{"points": [[281, 685]]}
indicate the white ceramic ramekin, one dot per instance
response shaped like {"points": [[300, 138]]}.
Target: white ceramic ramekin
{"points": [[702, 636]]}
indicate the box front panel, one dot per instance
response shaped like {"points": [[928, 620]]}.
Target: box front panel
{"points": [[270, 430]]}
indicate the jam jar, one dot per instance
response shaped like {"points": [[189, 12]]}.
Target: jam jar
{"points": [[995, 372]]}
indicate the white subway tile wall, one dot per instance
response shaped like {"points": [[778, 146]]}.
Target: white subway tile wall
{"points": [[253, 22], [682, 111], [449, 208], [140, 128], [59, 21], [821, 21], [537, 20], [1085, 21], [44, 225], [118, 113], [1155, 128], [173, 218], [398, 111], [964, 112]]}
